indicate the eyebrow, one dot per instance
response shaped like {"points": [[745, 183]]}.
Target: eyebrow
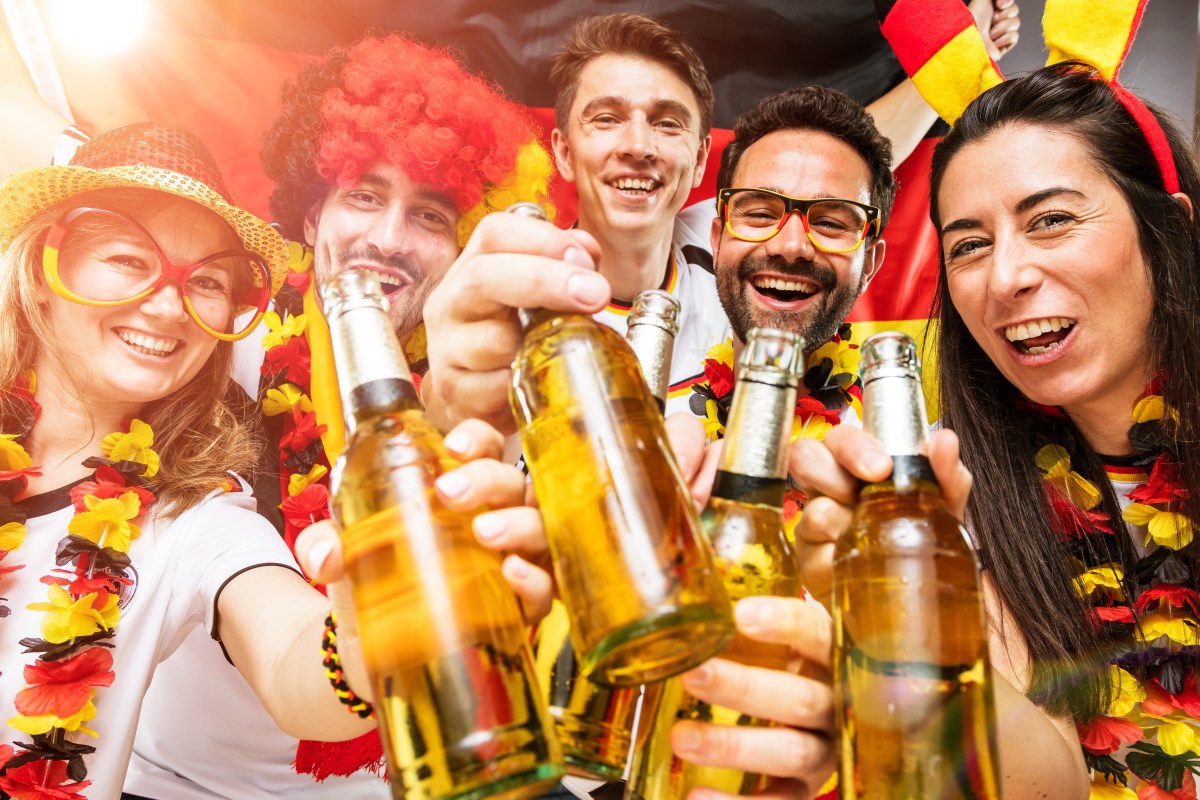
{"points": [[426, 193], [1025, 204], [659, 106]]}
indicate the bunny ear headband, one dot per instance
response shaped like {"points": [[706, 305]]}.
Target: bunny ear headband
{"points": [[941, 49]]}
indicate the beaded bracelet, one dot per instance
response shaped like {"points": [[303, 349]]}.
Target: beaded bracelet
{"points": [[333, 670]]}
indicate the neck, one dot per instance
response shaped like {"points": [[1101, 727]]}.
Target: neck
{"points": [[1105, 422], [631, 262], [68, 431]]}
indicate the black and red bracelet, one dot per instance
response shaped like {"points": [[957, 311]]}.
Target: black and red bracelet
{"points": [[333, 670]]}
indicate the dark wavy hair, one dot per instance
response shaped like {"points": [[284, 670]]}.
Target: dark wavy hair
{"points": [[1031, 570], [633, 35], [817, 108]]}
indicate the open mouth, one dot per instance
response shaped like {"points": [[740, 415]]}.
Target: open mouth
{"points": [[389, 282], [148, 345], [635, 187], [784, 290], [1039, 335]]}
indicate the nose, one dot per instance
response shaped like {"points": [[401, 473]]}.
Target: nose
{"points": [[165, 303], [1015, 270], [387, 233], [792, 242], [637, 139]]}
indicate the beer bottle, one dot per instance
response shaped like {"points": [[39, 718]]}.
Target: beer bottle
{"points": [[441, 630], [911, 666], [744, 520], [634, 570], [595, 723]]}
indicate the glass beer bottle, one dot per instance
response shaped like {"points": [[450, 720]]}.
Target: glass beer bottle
{"points": [[444, 639], [744, 520], [595, 723], [911, 667], [634, 570]]}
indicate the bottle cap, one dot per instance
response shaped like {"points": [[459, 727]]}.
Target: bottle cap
{"points": [[772, 356], [656, 307], [890, 354]]}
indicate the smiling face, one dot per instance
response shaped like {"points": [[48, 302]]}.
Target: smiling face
{"points": [[129, 355], [402, 231], [632, 146], [785, 282], [1043, 266]]}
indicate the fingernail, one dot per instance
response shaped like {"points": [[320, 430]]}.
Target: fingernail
{"points": [[516, 567], [698, 678], [686, 739], [578, 256], [318, 554], [489, 526], [453, 484], [459, 441], [587, 288], [876, 461], [748, 614]]}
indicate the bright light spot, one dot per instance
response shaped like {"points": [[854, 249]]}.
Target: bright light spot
{"points": [[98, 27]]}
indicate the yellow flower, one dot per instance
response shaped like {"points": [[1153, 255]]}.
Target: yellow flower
{"points": [[712, 425], [417, 346], [298, 482], [1176, 738], [1165, 528], [282, 332], [1181, 629], [844, 357], [35, 726], [1128, 692], [283, 399], [106, 522], [69, 619], [12, 535], [133, 446], [12, 454], [300, 258], [722, 352], [815, 427], [1150, 407], [1104, 790], [1107, 576], [1056, 464]]}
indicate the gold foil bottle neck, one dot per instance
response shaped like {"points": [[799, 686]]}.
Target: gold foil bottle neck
{"points": [[656, 307]]}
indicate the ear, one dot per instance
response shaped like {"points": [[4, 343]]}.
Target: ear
{"points": [[872, 261], [1186, 202], [562, 155], [701, 161], [310, 222], [714, 235]]}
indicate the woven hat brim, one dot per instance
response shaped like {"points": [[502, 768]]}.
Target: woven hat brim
{"points": [[32, 191]]}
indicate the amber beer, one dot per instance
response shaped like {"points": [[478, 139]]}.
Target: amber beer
{"points": [[634, 571], [914, 696], [595, 723], [744, 520], [460, 715]]}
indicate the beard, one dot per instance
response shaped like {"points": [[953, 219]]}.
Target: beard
{"points": [[405, 306], [817, 323]]}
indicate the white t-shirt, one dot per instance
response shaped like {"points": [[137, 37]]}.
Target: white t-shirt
{"points": [[702, 321], [181, 566]]}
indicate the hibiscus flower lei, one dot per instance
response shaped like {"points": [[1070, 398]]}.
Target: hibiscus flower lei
{"points": [[1149, 612], [84, 597], [829, 386]]}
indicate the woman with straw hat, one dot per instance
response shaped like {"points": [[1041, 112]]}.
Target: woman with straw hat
{"points": [[124, 278]]}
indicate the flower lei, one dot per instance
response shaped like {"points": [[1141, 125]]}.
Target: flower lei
{"points": [[83, 597], [830, 384], [1156, 704]]}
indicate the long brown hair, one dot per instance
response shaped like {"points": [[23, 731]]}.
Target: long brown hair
{"points": [[1030, 568], [197, 435]]}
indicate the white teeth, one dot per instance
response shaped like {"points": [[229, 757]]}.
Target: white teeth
{"points": [[385, 278], [638, 184], [1027, 330], [148, 344], [785, 286]]}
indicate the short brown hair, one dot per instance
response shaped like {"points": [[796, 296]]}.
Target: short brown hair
{"points": [[627, 34]]}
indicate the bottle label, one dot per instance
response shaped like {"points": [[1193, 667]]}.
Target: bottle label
{"points": [[756, 437], [652, 344], [749, 489]]}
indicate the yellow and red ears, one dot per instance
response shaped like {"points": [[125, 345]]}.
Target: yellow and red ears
{"points": [[941, 49]]}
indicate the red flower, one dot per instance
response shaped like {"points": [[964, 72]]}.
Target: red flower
{"points": [[304, 432], [80, 584], [1158, 702], [807, 406], [1152, 791], [298, 280], [41, 780], [22, 476], [63, 687], [1106, 734], [1188, 699], [293, 359], [1114, 613], [302, 510], [719, 377], [1175, 595], [109, 483], [1163, 485], [1073, 521]]}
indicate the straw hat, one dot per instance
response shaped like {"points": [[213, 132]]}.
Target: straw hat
{"points": [[146, 155]]}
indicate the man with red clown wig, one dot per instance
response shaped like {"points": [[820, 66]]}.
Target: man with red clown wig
{"points": [[385, 157]]}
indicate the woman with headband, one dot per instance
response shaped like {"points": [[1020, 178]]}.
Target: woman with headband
{"points": [[124, 279], [1066, 364]]}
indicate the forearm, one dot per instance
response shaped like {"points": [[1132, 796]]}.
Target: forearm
{"points": [[1040, 756], [904, 117]]}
